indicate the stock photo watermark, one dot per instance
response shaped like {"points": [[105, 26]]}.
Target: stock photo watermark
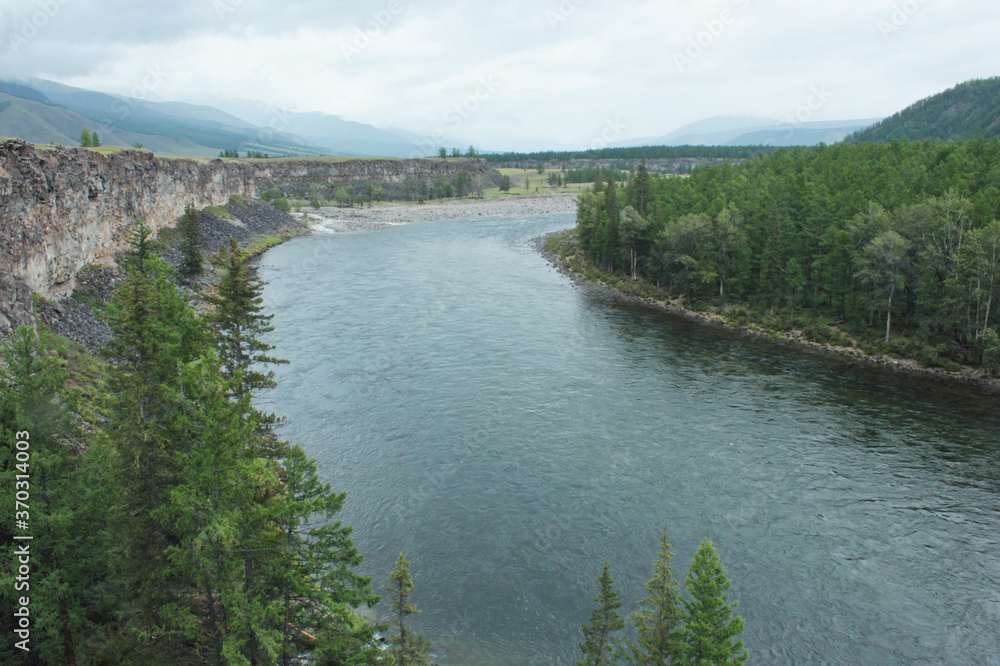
{"points": [[713, 30], [143, 91], [900, 16], [614, 129], [816, 100], [563, 12], [363, 36], [456, 115], [16, 32]]}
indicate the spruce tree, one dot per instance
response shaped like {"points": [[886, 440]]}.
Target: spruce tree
{"points": [[192, 260], [600, 646], [156, 335], [658, 623], [85, 139], [240, 321], [68, 606], [710, 629], [315, 576], [407, 647]]}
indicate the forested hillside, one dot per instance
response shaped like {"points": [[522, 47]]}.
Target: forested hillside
{"points": [[968, 111], [895, 244]]}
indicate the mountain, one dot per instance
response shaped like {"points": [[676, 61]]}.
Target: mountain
{"points": [[967, 111], [752, 131], [47, 112], [333, 132]]}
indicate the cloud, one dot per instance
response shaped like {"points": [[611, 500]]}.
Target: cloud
{"points": [[564, 68]]}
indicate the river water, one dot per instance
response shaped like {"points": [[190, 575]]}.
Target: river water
{"points": [[509, 431]]}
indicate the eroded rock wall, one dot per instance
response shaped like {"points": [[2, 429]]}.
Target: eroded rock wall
{"points": [[65, 208]]}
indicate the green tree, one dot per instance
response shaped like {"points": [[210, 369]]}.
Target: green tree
{"points": [[406, 648], [471, 152], [505, 183], [240, 322], [600, 645], [634, 229], [85, 138], [540, 168], [442, 153], [882, 264], [710, 628], [189, 228], [315, 574], [155, 335], [71, 608], [95, 141], [659, 621]]}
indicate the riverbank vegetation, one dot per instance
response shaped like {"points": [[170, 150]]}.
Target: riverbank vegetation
{"points": [[669, 629], [894, 247], [169, 523]]}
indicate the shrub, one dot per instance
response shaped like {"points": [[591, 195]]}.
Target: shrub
{"points": [[282, 204]]}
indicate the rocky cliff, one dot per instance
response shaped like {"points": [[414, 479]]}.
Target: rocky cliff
{"points": [[65, 208]]}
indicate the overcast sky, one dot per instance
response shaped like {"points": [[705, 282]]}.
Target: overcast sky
{"points": [[514, 73]]}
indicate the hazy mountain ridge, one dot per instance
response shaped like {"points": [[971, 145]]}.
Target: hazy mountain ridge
{"points": [[47, 112], [752, 131]]}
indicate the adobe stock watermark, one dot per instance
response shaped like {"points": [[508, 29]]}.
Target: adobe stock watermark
{"points": [[143, 91], [562, 13], [900, 16], [613, 130], [454, 117], [278, 121], [817, 99], [713, 31], [14, 33], [365, 35], [224, 7]]}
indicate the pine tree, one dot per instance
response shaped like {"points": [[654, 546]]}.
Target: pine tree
{"points": [[94, 140], [710, 629], [85, 138], [316, 579], [609, 250], [189, 228], [240, 321], [600, 646], [658, 623], [407, 647], [68, 559], [156, 335]]}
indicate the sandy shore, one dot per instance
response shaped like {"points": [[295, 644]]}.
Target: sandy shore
{"points": [[340, 220]]}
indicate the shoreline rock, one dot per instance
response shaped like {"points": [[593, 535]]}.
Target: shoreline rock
{"points": [[793, 337]]}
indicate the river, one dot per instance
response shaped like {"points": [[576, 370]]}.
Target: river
{"points": [[509, 431]]}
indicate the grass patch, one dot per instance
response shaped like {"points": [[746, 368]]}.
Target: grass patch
{"points": [[219, 211]]}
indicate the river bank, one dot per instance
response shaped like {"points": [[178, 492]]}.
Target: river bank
{"points": [[558, 249], [333, 219]]}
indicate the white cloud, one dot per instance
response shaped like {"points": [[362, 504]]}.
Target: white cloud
{"points": [[559, 80]]}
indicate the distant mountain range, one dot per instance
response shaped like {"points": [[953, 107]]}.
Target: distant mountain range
{"points": [[753, 131], [969, 110], [46, 112]]}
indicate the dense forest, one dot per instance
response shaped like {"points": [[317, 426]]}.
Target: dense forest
{"points": [[635, 154], [155, 517], [967, 111], [897, 245]]}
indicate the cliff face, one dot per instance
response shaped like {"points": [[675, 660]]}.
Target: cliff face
{"points": [[63, 209]]}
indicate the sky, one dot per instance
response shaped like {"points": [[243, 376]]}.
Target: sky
{"points": [[516, 74]]}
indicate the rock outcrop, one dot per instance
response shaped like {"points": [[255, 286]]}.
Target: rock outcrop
{"points": [[65, 208]]}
